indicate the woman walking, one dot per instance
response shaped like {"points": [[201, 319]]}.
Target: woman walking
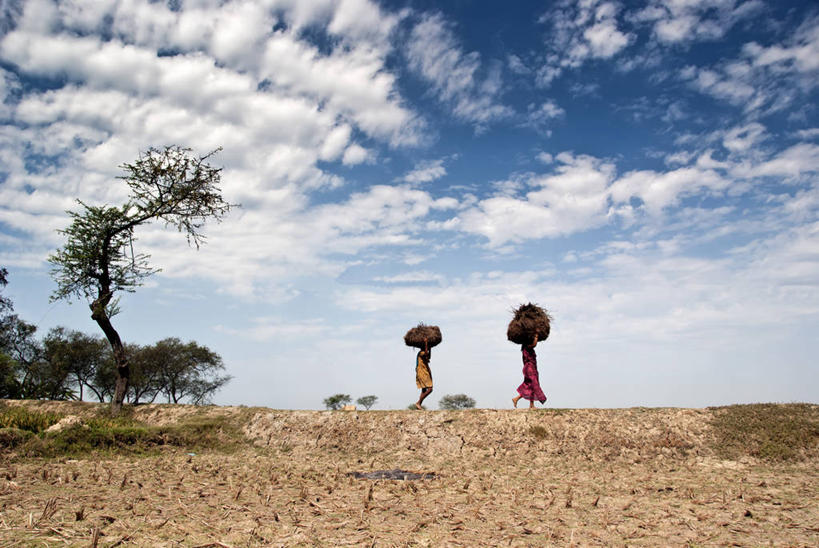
{"points": [[530, 388], [423, 375]]}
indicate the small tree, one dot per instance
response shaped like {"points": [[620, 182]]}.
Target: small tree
{"points": [[98, 259], [24, 362], [9, 368], [144, 385], [186, 370], [76, 355], [337, 401], [367, 401], [456, 401], [5, 302]]}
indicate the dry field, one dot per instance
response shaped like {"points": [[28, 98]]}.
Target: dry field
{"points": [[583, 477]]}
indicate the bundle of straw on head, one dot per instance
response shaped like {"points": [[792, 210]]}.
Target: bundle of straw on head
{"points": [[530, 319], [415, 336]]}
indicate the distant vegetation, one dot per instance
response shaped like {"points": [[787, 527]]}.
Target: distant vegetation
{"points": [[71, 365], [337, 401], [367, 401], [456, 401], [25, 432]]}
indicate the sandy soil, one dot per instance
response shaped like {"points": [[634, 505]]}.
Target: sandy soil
{"points": [[643, 477]]}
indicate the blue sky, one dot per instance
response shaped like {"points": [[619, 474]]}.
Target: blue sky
{"points": [[645, 170]]}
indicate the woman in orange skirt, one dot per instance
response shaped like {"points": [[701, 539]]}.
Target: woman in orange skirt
{"points": [[423, 375]]}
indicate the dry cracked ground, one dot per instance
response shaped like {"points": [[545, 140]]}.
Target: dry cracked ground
{"points": [[584, 477]]}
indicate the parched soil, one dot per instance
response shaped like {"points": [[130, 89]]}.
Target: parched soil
{"points": [[579, 477]]}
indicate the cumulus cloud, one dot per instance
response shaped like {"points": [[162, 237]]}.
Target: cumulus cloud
{"points": [[659, 190], [796, 160], [573, 198], [131, 74], [584, 192], [455, 76], [426, 171], [680, 21], [766, 79], [799, 53], [580, 32]]}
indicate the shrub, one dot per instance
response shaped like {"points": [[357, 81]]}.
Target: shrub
{"points": [[337, 401], [456, 401], [13, 437], [774, 432], [26, 419]]}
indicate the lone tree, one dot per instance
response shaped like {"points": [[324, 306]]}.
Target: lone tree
{"points": [[337, 401], [456, 401], [367, 401], [171, 185]]}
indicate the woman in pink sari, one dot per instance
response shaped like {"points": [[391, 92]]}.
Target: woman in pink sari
{"points": [[530, 388]]}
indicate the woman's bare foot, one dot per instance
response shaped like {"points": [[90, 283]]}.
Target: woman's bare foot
{"points": [[515, 401], [418, 406], [531, 404]]}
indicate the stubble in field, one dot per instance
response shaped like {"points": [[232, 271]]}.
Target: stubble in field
{"points": [[519, 478]]}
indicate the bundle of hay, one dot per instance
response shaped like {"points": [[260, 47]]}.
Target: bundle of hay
{"points": [[415, 336], [529, 319]]}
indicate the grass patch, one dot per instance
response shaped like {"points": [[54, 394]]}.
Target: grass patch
{"points": [[22, 418], [123, 435], [539, 432], [772, 432]]}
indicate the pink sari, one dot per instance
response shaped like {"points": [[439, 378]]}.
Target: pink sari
{"points": [[530, 389]]}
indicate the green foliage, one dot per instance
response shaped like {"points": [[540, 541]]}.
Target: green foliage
{"points": [[367, 401], [14, 437], [5, 302], [74, 358], [337, 401], [12, 416], [120, 435], [456, 401], [186, 370], [9, 387], [772, 432], [169, 185], [98, 259]]}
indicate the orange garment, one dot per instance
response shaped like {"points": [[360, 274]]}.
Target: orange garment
{"points": [[423, 375]]}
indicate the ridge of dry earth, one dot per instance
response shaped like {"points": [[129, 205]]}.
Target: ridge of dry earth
{"points": [[550, 477]]}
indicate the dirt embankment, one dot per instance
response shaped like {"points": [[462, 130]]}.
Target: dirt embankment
{"points": [[595, 433], [742, 476]]}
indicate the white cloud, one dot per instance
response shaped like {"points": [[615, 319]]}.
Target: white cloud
{"points": [[579, 32], [572, 199], [416, 277], [584, 192], [801, 53], [807, 134], [742, 138], [767, 79], [433, 52], [351, 82], [426, 171], [540, 116], [356, 154], [680, 21], [792, 162], [275, 102], [660, 190]]}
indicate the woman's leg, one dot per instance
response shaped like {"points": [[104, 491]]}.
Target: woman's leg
{"points": [[424, 393]]}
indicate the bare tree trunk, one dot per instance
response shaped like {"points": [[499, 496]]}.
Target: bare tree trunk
{"points": [[123, 372]]}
